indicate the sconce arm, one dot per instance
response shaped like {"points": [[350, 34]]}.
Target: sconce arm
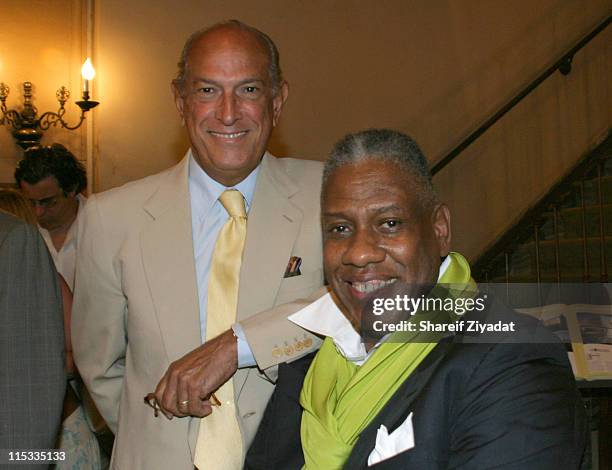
{"points": [[10, 117], [49, 119]]}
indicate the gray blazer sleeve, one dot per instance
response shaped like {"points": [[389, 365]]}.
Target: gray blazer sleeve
{"points": [[32, 378]]}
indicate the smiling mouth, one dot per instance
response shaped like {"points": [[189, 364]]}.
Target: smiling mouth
{"points": [[368, 287], [228, 135]]}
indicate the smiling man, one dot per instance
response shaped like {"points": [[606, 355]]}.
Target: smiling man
{"points": [[417, 400], [170, 273]]}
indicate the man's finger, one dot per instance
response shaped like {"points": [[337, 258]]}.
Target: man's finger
{"points": [[168, 402], [159, 393], [183, 396], [183, 401], [200, 408]]}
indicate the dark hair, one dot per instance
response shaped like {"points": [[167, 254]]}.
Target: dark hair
{"points": [[274, 70], [385, 145], [55, 160]]}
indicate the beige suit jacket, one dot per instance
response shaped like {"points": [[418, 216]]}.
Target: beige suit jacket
{"points": [[136, 304]]}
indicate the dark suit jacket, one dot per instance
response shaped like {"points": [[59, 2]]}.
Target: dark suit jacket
{"points": [[475, 406], [32, 378]]}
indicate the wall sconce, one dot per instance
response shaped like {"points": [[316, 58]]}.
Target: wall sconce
{"points": [[27, 126]]}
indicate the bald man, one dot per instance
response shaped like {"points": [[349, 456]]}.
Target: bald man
{"points": [[141, 313]]}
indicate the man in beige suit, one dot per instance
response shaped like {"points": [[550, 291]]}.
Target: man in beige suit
{"points": [[145, 250]]}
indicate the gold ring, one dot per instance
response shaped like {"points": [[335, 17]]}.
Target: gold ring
{"points": [[183, 403]]}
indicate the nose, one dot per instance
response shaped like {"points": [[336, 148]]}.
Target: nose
{"points": [[38, 211], [227, 111], [363, 248]]}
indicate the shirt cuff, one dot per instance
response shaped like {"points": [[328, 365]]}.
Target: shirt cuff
{"points": [[245, 355]]}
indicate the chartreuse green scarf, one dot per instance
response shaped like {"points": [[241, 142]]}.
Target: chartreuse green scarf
{"points": [[340, 398]]}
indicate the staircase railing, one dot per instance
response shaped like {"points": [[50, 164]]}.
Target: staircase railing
{"points": [[591, 237], [563, 64]]}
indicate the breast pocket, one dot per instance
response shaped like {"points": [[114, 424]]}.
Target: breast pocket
{"points": [[299, 287]]}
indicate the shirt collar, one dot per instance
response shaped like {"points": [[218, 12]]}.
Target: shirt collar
{"points": [[205, 191], [323, 317], [73, 228]]}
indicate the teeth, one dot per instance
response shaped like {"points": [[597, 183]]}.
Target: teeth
{"points": [[233, 135], [371, 286]]}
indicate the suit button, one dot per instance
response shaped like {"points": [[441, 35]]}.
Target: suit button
{"points": [[248, 415]]}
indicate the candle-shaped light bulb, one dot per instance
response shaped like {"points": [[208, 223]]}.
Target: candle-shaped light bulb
{"points": [[88, 73]]}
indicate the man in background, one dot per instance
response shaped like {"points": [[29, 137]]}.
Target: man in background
{"points": [[160, 261], [32, 380], [53, 180]]}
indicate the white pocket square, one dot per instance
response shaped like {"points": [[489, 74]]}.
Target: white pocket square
{"points": [[389, 445]]}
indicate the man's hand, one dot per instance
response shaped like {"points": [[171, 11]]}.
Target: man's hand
{"points": [[187, 385]]}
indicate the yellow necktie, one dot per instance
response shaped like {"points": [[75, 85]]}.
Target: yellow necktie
{"points": [[219, 445]]}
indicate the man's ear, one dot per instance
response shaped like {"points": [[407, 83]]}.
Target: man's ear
{"points": [[279, 101], [179, 100], [441, 224], [72, 193]]}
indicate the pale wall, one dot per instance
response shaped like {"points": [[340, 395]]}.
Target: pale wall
{"points": [[435, 69], [493, 183]]}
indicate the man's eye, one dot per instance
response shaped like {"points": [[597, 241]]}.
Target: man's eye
{"points": [[206, 90], [339, 229], [250, 91], [391, 223]]}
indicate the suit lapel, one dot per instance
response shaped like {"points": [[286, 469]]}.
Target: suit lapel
{"points": [[167, 254], [399, 406], [273, 226]]}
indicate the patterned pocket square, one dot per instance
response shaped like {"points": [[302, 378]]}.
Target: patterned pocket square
{"points": [[293, 267]]}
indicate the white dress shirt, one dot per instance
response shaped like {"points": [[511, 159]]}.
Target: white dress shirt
{"points": [[323, 317], [207, 218], [65, 258]]}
